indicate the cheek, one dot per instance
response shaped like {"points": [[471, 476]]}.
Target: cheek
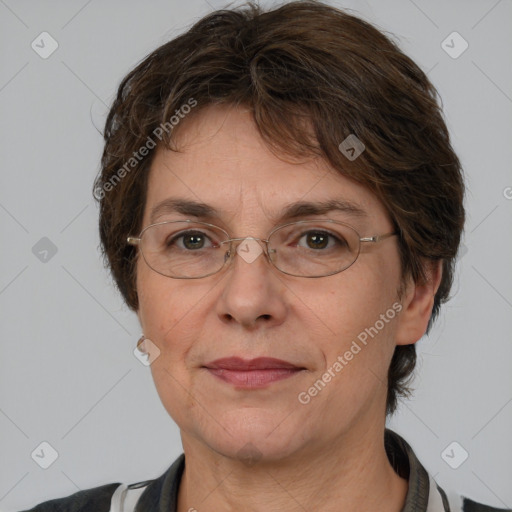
{"points": [[172, 314], [160, 306], [359, 309], [165, 309]]}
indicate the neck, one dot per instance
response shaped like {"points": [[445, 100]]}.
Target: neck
{"points": [[354, 471]]}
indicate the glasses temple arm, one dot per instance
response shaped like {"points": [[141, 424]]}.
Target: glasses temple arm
{"points": [[377, 238], [133, 240]]}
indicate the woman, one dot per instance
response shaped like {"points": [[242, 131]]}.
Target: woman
{"points": [[271, 209]]}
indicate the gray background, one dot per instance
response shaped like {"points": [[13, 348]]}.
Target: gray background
{"points": [[67, 372]]}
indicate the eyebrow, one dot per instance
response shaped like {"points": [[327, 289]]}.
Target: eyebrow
{"points": [[291, 211]]}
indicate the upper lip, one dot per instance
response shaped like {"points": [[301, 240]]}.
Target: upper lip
{"points": [[260, 363]]}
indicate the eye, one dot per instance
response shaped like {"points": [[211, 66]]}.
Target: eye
{"points": [[322, 240], [190, 240]]}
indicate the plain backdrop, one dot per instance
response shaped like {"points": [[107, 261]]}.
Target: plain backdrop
{"points": [[68, 376]]}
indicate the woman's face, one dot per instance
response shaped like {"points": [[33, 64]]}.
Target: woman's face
{"points": [[251, 310]]}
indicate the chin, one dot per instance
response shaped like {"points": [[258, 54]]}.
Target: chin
{"points": [[254, 436], [252, 450]]}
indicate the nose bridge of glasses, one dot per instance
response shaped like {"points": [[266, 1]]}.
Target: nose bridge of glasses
{"points": [[241, 239], [252, 248]]}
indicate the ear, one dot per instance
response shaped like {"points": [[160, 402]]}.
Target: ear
{"points": [[417, 304]]}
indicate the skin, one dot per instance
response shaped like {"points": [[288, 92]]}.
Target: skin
{"points": [[309, 457]]}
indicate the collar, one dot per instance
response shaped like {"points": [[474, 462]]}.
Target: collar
{"points": [[423, 494]]}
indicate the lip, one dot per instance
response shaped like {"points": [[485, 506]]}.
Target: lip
{"points": [[260, 363], [252, 373]]}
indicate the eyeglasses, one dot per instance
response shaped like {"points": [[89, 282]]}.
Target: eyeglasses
{"points": [[188, 249]]}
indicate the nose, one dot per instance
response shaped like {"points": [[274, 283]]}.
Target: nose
{"points": [[253, 294]]}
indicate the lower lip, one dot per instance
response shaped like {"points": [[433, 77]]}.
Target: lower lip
{"points": [[253, 379]]}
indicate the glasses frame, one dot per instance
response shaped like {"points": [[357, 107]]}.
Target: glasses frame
{"points": [[137, 241]]}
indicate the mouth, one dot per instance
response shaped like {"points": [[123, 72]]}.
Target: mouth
{"points": [[252, 374]]}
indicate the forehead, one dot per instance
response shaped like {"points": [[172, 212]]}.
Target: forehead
{"points": [[223, 163]]}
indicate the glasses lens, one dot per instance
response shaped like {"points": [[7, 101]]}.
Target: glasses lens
{"points": [[313, 248], [184, 249]]}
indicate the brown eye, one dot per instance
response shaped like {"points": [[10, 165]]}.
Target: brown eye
{"points": [[321, 240], [317, 240], [190, 240]]}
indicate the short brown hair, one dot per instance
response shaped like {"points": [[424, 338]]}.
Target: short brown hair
{"points": [[311, 75]]}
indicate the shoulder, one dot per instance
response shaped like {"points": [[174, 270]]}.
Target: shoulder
{"points": [[473, 506], [455, 502], [424, 493], [97, 499], [161, 492]]}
